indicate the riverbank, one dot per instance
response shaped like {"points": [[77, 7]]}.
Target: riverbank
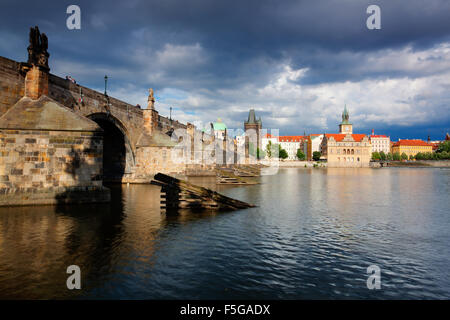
{"points": [[413, 164], [374, 164], [301, 164]]}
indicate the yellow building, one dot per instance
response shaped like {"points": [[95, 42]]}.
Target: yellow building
{"points": [[346, 149], [411, 147]]}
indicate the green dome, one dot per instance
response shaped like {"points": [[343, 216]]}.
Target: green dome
{"points": [[219, 126]]}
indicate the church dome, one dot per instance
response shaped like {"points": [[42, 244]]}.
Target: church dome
{"points": [[219, 125]]}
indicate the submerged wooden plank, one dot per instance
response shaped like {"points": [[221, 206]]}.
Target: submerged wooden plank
{"points": [[182, 194]]}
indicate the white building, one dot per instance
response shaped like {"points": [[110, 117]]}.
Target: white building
{"points": [[291, 144], [380, 143], [314, 144], [240, 140], [265, 141], [219, 129]]}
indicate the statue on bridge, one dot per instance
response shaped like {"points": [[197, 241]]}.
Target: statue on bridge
{"points": [[151, 100], [37, 50]]}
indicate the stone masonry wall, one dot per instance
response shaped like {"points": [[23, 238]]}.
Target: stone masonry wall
{"points": [[152, 160], [12, 84], [49, 166]]}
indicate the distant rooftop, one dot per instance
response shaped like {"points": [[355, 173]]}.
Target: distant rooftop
{"points": [[411, 143], [292, 138], [340, 136], [378, 136]]}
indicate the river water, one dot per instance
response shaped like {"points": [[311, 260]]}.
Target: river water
{"points": [[313, 235]]}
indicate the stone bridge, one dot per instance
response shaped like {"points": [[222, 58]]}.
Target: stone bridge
{"points": [[60, 141], [128, 129]]}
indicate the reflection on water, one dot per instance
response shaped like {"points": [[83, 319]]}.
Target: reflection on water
{"points": [[313, 234]]}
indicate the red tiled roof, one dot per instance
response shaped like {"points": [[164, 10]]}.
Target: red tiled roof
{"points": [[411, 143], [340, 136], [291, 138], [269, 136], [435, 145], [378, 136]]}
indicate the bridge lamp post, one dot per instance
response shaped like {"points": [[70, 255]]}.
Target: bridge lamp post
{"points": [[106, 81]]}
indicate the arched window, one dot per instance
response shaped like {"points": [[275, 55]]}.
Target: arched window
{"points": [[344, 152], [358, 159], [353, 151]]}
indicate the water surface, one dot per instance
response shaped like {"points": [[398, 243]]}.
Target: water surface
{"points": [[312, 236]]}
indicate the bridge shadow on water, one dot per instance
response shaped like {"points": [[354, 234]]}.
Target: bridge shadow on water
{"points": [[113, 244]]}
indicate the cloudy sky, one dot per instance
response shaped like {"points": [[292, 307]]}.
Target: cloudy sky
{"points": [[296, 62]]}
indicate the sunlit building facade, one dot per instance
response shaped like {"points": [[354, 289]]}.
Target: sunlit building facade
{"points": [[380, 143], [346, 149], [411, 147]]}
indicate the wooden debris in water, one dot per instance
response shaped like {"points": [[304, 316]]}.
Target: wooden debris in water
{"points": [[179, 194]]}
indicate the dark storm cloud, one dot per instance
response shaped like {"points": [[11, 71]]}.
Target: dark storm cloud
{"points": [[209, 46]]}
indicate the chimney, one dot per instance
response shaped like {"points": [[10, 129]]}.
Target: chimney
{"points": [[36, 83], [373, 132], [37, 70]]}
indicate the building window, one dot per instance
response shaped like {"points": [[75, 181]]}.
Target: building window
{"points": [[358, 159]]}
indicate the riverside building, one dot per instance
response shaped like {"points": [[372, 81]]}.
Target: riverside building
{"points": [[345, 149]]}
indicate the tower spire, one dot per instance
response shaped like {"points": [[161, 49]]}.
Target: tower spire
{"points": [[345, 126], [345, 114]]}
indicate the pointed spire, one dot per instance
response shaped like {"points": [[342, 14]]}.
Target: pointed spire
{"points": [[251, 116], [345, 115]]}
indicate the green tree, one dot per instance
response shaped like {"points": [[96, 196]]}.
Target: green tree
{"points": [[411, 157], [376, 155], [269, 149], [396, 156], [389, 156], [272, 150], [404, 156], [382, 155], [300, 155], [283, 154], [316, 155], [444, 146]]}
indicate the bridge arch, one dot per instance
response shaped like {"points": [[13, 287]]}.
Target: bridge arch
{"points": [[118, 153]]}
